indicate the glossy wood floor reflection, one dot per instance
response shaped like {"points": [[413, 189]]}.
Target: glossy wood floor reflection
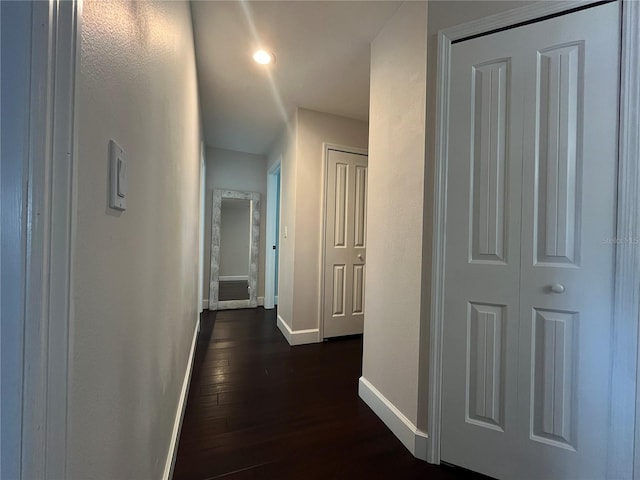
{"points": [[260, 409]]}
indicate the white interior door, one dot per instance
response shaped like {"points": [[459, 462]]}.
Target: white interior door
{"points": [[529, 271], [345, 243]]}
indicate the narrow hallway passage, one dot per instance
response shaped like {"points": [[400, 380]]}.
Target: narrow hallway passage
{"points": [[260, 409]]}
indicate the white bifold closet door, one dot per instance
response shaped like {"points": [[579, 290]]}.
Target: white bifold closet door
{"points": [[531, 208]]}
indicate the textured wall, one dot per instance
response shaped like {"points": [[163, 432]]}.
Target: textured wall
{"points": [[135, 272], [396, 193]]}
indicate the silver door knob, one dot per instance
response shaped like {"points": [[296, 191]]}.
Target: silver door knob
{"points": [[360, 257], [557, 288]]}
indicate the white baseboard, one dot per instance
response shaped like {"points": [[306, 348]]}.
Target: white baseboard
{"points": [[297, 337], [413, 439], [261, 301], [233, 278], [182, 403]]}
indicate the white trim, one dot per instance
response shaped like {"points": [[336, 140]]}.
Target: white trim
{"points": [[17, 21], [511, 17], [623, 443], [261, 301], [413, 439], [201, 226], [270, 235], [284, 329], [297, 337], [232, 278], [182, 404], [323, 209], [625, 347], [205, 304], [51, 220]]}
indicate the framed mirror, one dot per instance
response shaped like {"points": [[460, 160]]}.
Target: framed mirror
{"points": [[235, 240]]}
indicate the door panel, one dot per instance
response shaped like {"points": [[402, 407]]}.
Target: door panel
{"points": [[360, 207], [482, 255], [569, 211], [345, 243], [529, 273], [338, 290], [489, 86], [358, 290], [553, 396], [340, 203], [559, 92], [485, 354]]}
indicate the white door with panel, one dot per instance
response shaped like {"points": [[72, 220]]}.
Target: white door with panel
{"points": [[344, 243], [531, 189]]}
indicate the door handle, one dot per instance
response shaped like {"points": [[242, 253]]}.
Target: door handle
{"points": [[360, 257], [557, 288]]}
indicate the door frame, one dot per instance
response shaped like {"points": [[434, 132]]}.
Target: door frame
{"points": [[201, 227], [326, 148], [48, 230], [270, 233], [623, 458]]}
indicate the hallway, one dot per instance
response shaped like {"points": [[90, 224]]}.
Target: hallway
{"points": [[260, 409]]}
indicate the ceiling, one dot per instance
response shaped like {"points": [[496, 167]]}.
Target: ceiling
{"points": [[322, 63]]}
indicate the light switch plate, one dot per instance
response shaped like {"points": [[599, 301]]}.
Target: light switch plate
{"points": [[117, 177]]}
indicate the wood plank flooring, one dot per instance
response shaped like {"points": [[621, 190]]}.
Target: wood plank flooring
{"points": [[260, 409]]}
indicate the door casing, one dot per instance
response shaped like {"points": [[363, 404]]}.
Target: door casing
{"points": [[326, 147], [270, 232], [44, 237], [624, 454]]}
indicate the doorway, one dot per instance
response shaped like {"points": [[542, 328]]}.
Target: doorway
{"points": [[273, 237], [529, 280]]}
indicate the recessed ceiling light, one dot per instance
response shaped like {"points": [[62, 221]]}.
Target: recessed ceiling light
{"points": [[263, 57]]}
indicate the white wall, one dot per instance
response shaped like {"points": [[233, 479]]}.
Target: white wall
{"points": [[135, 272], [231, 170], [235, 237], [395, 205]]}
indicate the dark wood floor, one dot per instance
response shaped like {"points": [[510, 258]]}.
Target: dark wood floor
{"points": [[260, 409], [233, 290]]}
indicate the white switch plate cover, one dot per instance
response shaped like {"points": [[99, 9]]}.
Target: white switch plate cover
{"points": [[117, 177]]}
